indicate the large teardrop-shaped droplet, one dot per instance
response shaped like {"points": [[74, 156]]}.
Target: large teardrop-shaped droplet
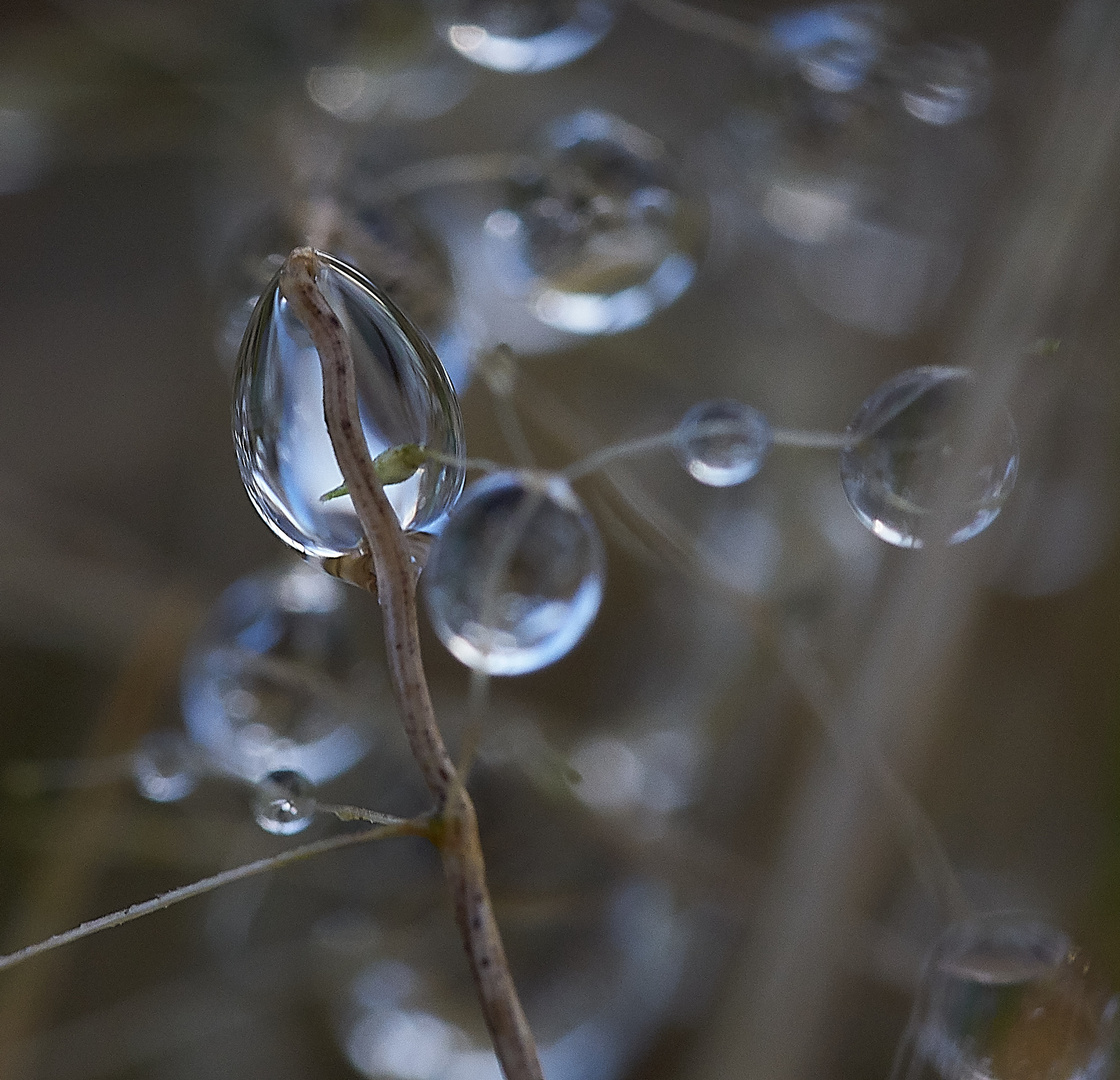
{"points": [[900, 469], [523, 35], [283, 448], [1005, 996], [276, 678], [516, 576]]}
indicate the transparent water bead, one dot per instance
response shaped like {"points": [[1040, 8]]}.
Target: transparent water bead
{"points": [[516, 576], [944, 82], [270, 681], [284, 803], [1007, 997], [605, 234], [723, 443], [905, 439], [523, 35], [283, 448], [164, 767]]}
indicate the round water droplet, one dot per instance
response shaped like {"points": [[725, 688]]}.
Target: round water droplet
{"points": [[723, 443], [835, 47], [523, 35], [1008, 997], [164, 767], [283, 448], [274, 679], [516, 576], [604, 235], [944, 82], [902, 456], [284, 803]]}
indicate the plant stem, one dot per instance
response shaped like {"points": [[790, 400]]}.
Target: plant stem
{"points": [[455, 831]]}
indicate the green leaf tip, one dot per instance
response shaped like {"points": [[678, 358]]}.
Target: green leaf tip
{"points": [[393, 466]]}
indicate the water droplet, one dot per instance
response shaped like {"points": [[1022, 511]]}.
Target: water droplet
{"points": [[1008, 997], [273, 680], [163, 767], [944, 82], [516, 576], [283, 447], [284, 803], [723, 443], [604, 235], [835, 47], [523, 35], [905, 442]]}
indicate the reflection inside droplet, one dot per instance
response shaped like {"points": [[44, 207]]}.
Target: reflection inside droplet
{"points": [[604, 235]]}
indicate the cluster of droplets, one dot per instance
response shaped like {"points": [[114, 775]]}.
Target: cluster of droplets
{"points": [[516, 575], [845, 49], [1007, 996]]}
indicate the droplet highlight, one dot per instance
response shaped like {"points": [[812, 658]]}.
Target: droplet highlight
{"points": [[516, 576], [902, 455], [284, 803], [723, 443], [523, 36], [283, 448], [275, 679]]}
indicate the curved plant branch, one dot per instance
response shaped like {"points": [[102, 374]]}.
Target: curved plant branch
{"points": [[455, 829]]}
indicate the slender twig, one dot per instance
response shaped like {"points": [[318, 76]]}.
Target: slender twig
{"points": [[456, 829], [696, 20], [417, 827]]}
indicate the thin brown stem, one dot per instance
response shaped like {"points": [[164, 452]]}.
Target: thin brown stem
{"points": [[456, 829]]}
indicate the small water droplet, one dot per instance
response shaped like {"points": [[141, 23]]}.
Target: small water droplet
{"points": [[284, 803], [723, 443], [604, 235], [523, 35], [516, 576], [163, 767], [1007, 997], [283, 448], [905, 439], [944, 82], [274, 678]]}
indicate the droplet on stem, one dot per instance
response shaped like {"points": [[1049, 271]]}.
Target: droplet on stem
{"points": [[900, 460], [723, 443], [284, 803], [944, 82], [516, 576], [1007, 997], [283, 448]]}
